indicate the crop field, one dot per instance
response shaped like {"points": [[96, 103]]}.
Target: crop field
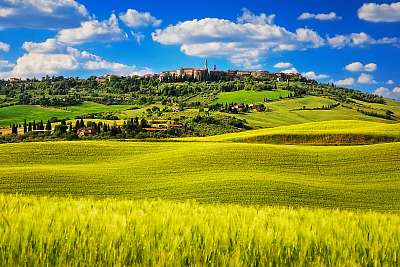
{"points": [[110, 232], [289, 112], [366, 132], [249, 97], [365, 177], [17, 114]]}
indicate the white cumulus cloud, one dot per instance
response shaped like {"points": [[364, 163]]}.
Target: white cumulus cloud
{"points": [[314, 76], [250, 17], [54, 58], [390, 82], [244, 42], [386, 92], [135, 19], [41, 14], [290, 71], [4, 47], [50, 45], [92, 30], [360, 40], [321, 16], [365, 79], [380, 12], [345, 82], [5, 65], [358, 66], [283, 65]]}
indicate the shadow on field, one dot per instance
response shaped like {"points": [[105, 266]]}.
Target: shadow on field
{"points": [[320, 139]]}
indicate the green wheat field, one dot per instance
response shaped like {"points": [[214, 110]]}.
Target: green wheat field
{"points": [[231, 200]]}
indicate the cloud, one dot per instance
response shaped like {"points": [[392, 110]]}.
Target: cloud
{"points": [[53, 58], [380, 12], [243, 43], [358, 66], [92, 30], [309, 36], [5, 65], [50, 45], [360, 40], [322, 16], [41, 14], [313, 76], [283, 65], [345, 82], [4, 47], [365, 79], [135, 19], [250, 17], [138, 36], [37, 64], [385, 92], [390, 82], [290, 71]]}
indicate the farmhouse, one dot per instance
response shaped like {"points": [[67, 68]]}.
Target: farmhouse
{"points": [[86, 132]]}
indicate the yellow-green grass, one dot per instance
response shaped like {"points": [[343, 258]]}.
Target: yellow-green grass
{"points": [[73, 232], [366, 177], [287, 112], [389, 105], [369, 130], [17, 114], [249, 97]]}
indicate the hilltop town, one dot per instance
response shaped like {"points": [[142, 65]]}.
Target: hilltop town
{"points": [[206, 74]]}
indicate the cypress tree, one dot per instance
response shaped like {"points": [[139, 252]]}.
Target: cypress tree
{"points": [[41, 126], [81, 124], [25, 127], [77, 125], [48, 126]]}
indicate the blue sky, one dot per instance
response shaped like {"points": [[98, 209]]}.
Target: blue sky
{"points": [[352, 43]]}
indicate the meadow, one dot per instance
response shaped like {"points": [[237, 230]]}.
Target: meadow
{"points": [[249, 97], [290, 111], [337, 132], [18, 113], [350, 177], [110, 232]]}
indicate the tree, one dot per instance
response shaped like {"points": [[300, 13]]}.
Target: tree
{"points": [[41, 126], [389, 114], [81, 124], [14, 129], [48, 126], [143, 123], [30, 127], [25, 127]]}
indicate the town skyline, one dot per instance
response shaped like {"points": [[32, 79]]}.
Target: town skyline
{"points": [[349, 44]]}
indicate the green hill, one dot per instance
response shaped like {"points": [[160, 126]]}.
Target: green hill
{"points": [[365, 177], [363, 132], [18, 113]]}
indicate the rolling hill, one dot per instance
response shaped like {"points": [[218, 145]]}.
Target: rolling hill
{"points": [[365, 177]]}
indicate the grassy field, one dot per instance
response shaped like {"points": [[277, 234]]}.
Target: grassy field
{"points": [[315, 132], [249, 97], [17, 114], [72, 232], [288, 112], [365, 177]]}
